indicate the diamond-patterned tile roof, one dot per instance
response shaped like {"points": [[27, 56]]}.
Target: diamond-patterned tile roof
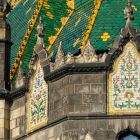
{"points": [[99, 21], [18, 19], [110, 19]]}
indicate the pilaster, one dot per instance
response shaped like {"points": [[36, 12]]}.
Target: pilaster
{"points": [[4, 120]]}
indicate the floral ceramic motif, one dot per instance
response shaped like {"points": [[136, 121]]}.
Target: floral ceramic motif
{"points": [[124, 85], [38, 100]]}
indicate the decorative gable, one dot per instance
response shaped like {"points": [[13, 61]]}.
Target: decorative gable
{"points": [[37, 100], [124, 82], [89, 54], [60, 58]]}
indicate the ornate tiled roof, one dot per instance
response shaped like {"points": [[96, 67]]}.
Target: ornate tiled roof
{"points": [[72, 22], [23, 21], [72, 34], [13, 3], [51, 18], [110, 20], [19, 19]]}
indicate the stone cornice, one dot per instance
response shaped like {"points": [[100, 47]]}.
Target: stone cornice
{"points": [[79, 68], [74, 68], [10, 95], [4, 94], [6, 41], [79, 117], [18, 92]]}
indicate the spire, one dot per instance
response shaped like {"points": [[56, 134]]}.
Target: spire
{"points": [[128, 31], [5, 48], [4, 8], [60, 57], [40, 48], [40, 28], [1, 6], [40, 32], [129, 14]]}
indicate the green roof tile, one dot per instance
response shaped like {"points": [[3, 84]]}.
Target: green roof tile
{"points": [[110, 19], [58, 10], [18, 20], [72, 31]]}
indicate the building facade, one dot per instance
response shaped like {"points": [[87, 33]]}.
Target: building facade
{"points": [[70, 70]]}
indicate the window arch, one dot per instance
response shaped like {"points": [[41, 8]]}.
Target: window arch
{"points": [[128, 135]]}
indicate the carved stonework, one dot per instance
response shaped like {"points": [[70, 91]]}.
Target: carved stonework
{"points": [[40, 50], [60, 58], [20, 79], [40, 32], [128, 30], [73, 135], [88, 55], [103, 57], [88, 137], [32, 66], [4, 8], [69, 58]]}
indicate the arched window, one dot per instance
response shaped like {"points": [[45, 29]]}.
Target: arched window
{"points": [[128, 135]]}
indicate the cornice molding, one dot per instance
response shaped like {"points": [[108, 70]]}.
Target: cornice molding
{"points": [[18, 92], [79, 68], [79, 117], [75, 68], [11, 95], [69, 69]]}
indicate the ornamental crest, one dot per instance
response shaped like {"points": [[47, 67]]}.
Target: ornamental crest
{"points": [[124, 82], [37, 100]]}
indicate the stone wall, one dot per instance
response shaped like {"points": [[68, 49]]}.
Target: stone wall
{"points": [[2, 60], [98, 129], [77, 94], [4, 120], [17, 118], [81, 100]]}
